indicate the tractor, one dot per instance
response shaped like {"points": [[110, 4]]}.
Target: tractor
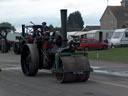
{"points": [[55, 54], [3, 39], [23, 38]]}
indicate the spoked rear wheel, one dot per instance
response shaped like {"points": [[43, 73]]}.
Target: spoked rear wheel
{"points": [[29, 61]]}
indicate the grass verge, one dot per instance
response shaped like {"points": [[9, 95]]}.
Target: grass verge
{"points": [[113, 54]]}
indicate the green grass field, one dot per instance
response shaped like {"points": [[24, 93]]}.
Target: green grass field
{"points": [[113, 54]]}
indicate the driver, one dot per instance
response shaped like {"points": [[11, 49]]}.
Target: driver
{"points": [[36, 33], [45, 29]]}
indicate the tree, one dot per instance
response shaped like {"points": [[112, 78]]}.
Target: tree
{"points": [[6, 24], [53, 29], [57, 29], [75, 21]]}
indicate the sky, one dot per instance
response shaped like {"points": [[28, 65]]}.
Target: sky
{"points": [[19, 12]]}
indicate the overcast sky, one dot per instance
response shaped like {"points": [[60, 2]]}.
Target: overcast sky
{"points": [[19, 12]]}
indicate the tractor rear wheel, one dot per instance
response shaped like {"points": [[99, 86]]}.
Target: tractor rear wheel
{"points": [[30, 60]]}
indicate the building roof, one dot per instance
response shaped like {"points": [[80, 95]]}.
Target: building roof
{"points": [[120, 12], [87, 28]]}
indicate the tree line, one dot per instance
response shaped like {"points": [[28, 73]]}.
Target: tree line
{"points": [[9, 25], [74, 23]]}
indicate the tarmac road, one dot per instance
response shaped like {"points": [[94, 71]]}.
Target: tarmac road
{"points": [[14, 83]]}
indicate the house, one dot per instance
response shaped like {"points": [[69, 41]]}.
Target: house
{"points": [[115, 17], [88, 28]]}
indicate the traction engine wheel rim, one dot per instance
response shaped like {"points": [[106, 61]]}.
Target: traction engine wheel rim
{"points": [[63, 77], [70, 77], [83, 77], [60, 77], [29, 61]]}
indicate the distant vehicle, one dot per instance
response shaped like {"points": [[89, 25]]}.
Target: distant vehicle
{"points": [[99, 35], [120, 37], [89, 44], [69, 35], [3, 39], [14, 42], [12, 36]]}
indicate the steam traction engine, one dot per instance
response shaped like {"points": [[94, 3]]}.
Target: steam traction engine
{"points": [[47, 53]]}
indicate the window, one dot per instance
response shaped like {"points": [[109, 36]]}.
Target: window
{"points": [[89, 41], [78, 41], [90, 35], [95, 41], [123, 26], [117, 35], [107, 35], [84, 41], [126, 34]]}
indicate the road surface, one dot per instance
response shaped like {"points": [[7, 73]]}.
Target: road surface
{"points": [[108, 79]]}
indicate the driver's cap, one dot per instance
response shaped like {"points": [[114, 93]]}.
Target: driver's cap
{"points": [[44, 23]]}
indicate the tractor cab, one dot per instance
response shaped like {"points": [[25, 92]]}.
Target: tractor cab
{"points": [[26, 37]]}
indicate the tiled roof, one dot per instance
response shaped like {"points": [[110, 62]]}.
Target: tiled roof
{"points": [[121, 13]]}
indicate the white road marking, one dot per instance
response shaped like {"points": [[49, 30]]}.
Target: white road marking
{"points": [[11, 68], [109, 83], [120, 74]]}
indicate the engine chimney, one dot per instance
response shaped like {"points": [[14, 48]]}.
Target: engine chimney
{"points": [[64, 26]]}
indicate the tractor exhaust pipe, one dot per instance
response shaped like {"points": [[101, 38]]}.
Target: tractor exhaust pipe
{"points": [[64, 26]]}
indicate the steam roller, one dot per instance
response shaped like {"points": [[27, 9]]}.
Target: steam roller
{"points": [[72, 67], [55, 54]]}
